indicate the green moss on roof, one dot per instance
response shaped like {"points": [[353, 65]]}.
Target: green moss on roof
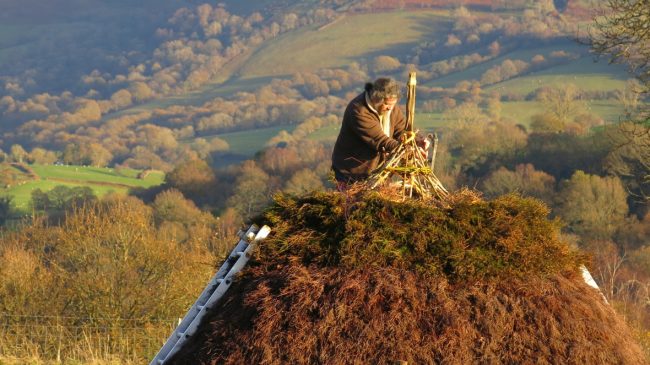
{"points": [[471, 239]]}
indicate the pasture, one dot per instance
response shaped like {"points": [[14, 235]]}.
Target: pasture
{"points": [[586, 74], [350, 39], [101, 180]]}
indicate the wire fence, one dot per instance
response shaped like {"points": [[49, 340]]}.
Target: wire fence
{"points": [[63, 339]]}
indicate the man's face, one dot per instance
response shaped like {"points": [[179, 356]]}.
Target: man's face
{"points": [[386, 105]]}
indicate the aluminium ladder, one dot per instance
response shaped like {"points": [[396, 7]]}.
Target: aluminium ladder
{"points": [[215, 289]]}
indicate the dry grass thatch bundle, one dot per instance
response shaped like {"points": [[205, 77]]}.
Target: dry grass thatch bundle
{"points": [[375, 281]]}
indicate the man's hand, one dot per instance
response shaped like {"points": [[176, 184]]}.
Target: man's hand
{"points": [[423, 152], [423, 143], [423, 146]]}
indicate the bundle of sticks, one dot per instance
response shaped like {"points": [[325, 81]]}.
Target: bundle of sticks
{"points": [[409, 161]]}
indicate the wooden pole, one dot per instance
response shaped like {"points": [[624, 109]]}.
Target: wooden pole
{"points": [[434, 151], [407, 161], [410, 101]]}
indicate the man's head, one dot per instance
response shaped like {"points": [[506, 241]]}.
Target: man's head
{"points": [[383, 94]]}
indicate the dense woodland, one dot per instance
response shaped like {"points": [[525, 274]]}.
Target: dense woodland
{"points": [[593, 175]]}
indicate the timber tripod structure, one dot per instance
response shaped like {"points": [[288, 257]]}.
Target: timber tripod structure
{"points": [[409, 161], [215, 290]]}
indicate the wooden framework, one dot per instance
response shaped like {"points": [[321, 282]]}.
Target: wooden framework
{"points": [[409, 162]]}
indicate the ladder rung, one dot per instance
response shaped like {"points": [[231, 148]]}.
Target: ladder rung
{"points": [[211, 293]]}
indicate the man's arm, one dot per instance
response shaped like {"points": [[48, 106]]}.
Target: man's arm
{"points": [[367, 127]]}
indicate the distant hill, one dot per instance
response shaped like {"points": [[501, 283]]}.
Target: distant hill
{"points": [[56, 11], [165, 69]]}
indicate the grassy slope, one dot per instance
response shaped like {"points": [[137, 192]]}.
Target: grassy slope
{"points": [[126, 177], [100, 180], [244, 144], [522, 111], [583, 72], [350, 39]]}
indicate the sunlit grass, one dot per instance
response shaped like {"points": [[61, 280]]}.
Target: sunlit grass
{"points": [[22, 194], [349, 39], [249, 142], [98, 174], [584, 73], [525, 54], [100, 180], [521, 112]]}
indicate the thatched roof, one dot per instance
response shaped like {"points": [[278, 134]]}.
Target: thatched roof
{"points": [[374, 281]]}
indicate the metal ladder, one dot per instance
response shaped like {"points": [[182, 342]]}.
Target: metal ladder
{"points": [[216, 288]]}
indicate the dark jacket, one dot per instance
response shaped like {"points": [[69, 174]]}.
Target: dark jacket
{"points": [[361, 141]]}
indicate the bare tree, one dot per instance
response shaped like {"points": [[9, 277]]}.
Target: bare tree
{"points": [[563, 102], [609, 270], [623, 33], [630, 157]]}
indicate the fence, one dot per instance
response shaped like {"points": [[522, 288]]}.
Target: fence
{"points": [[65, 339]]}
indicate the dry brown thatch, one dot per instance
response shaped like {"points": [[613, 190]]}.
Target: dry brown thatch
{"points": [[310, 299]]}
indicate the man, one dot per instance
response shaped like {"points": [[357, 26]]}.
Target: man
{"points": [[372, 126]]}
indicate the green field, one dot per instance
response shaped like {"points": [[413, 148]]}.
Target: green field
{"points": [[126, 177], [249, 142], [100, 180], [475, 72], [583, 72], [349, 39], [522, 111]]}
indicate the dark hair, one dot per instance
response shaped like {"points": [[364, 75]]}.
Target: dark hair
{"points": [[383, 88]]}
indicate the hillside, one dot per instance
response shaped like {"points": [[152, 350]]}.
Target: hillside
{"points": [[168, 74], [372, 280], [20, 181], [224, 105]]}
